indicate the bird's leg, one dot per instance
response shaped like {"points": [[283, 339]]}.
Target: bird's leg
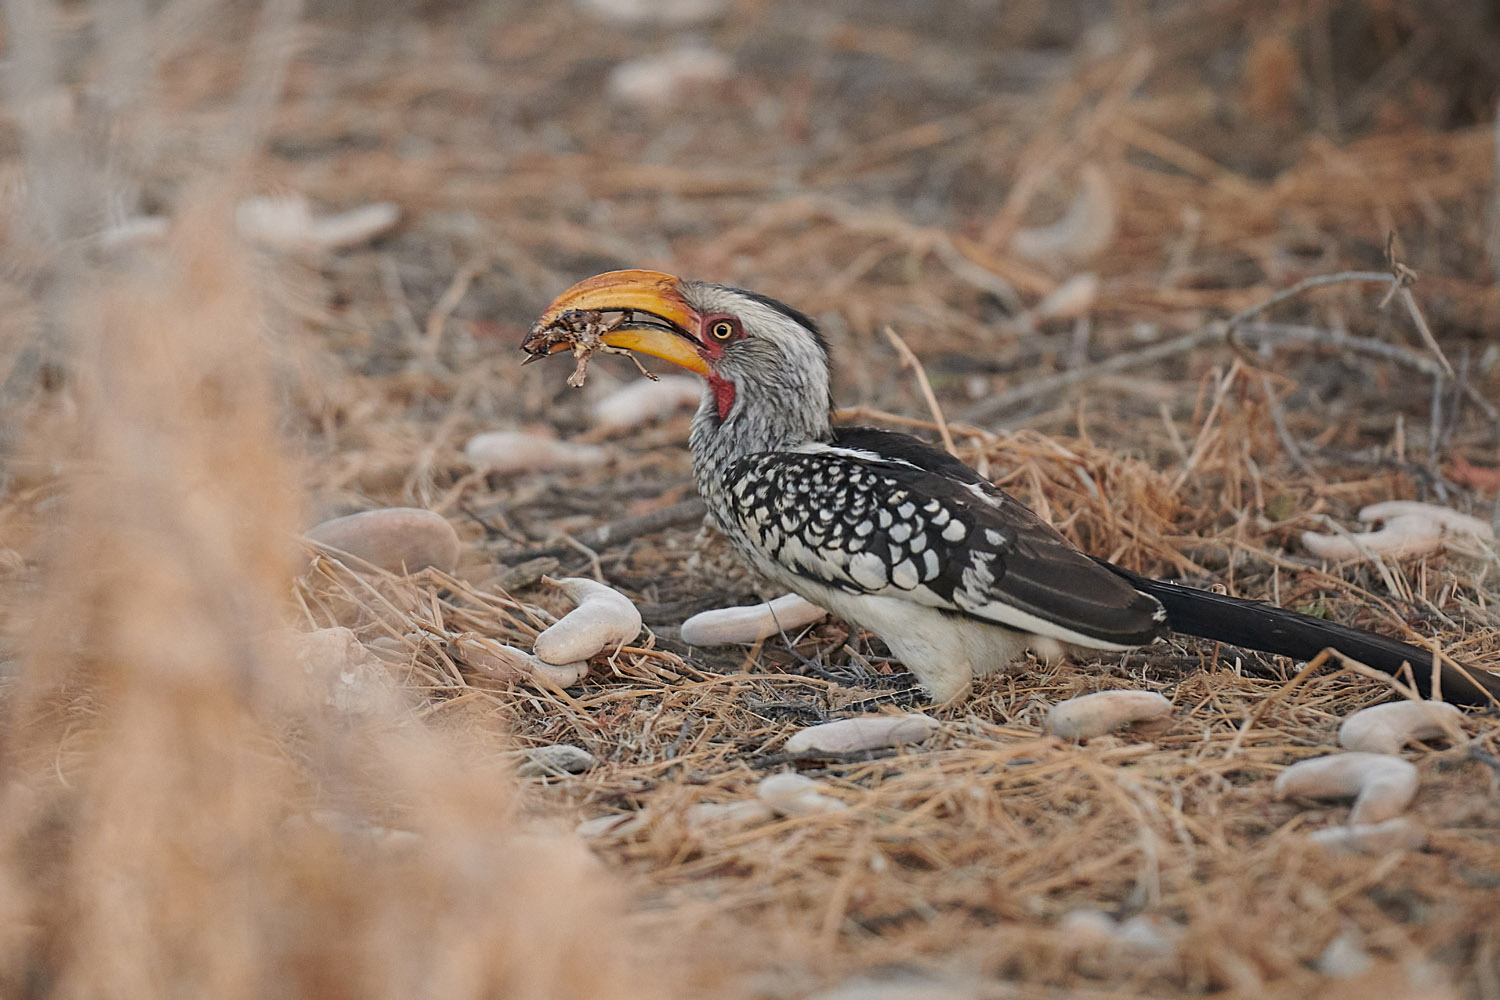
{"points": [[606, 349]]}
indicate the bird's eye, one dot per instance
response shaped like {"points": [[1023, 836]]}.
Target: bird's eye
{"points": [[721, 329]]}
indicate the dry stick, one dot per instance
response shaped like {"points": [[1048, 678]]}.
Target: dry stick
{"points": [[395, 294], [899, 420], [448, 301], [909, 360], [618, 532], [1420, 322], [1317, 281], [1266, 702], [992, 408], [1283, 433], [1202, 441]]}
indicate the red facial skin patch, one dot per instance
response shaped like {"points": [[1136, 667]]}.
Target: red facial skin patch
{"points": [[723, 394]]}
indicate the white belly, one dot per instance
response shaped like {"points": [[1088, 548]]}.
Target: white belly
{"points": [[945, 651]]}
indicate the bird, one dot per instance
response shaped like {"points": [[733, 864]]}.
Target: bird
{"points": [[956, 576]]}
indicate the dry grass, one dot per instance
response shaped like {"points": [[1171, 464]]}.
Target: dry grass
{"points": [[189, 808]]}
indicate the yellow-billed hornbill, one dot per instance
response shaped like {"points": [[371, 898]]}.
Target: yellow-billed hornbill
{"points": [[955, 575]]}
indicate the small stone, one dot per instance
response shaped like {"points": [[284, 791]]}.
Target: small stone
{"points": [[603, 619], [1104, 712], [652, 12], [287, 223], [496, 659], [522, 451], [395, 539], [1389, 727], [658, 80], [1148, 937], [1070, 300], [1345, 957], [1400, 833], [722, 815], [794, 795], [871, 733], [1381, 785], [342, 673], [643, 401], [1087, 930], [559, 758], [612, 825], [752, 622]]}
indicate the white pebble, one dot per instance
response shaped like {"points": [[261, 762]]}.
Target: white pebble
{"points": [[1381, 785], [1092, 935], [340, 671], [489, 656], [1389, 727], [658, 80], [558, 758], [1148, 937], [1103, 712], [751, 622], [1069, 300], [1400, 833], [1409, 528], [137, 230], [794, 795], [676, 12], [1345, 957], [287, 223], [396, 539], [603, 618], [523, 451], [725, 815], [1085, 229], [643, 401], [612, 825], [870, 733], [1086, 930], [1451, 520]]}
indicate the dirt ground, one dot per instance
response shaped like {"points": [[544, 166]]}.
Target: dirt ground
{"points": [[1061, 208]]}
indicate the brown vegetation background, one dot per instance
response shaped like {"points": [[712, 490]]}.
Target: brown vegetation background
{"points": [[1056, 205]]}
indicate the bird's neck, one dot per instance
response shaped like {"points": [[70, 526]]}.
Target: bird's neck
{"points": [[777, 418]]}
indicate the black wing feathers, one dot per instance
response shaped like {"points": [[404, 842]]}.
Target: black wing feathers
{"points": [[913, 520]]}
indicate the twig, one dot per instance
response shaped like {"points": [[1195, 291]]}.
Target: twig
{"points": [[989, 409], [1420, 321], [619, 532], [1202, 442], [1317, 281], [1273, 333], [594, 563], [448, 301], [909, 360], [1283, 433], [390, 282], [1265, 703], [1404, 278]]}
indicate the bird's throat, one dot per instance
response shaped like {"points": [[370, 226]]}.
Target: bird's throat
{"points": [[723, 391]]}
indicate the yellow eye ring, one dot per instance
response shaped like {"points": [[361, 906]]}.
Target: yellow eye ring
{"points": [[721, 329]]}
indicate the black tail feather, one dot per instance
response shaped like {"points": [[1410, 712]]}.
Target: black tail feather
{"points": [[1269, 629]]}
